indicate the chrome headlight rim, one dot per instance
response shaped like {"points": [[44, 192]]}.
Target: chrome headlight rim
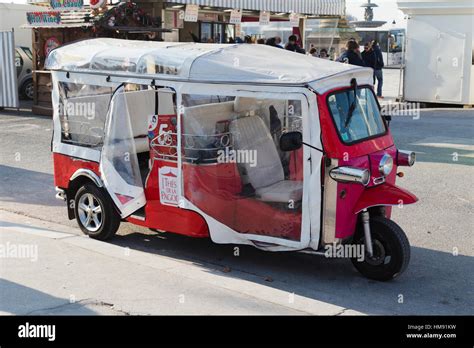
{"points": [[386, 165], [406, 158], [346, 174]]}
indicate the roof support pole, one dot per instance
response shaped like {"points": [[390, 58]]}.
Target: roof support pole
{"points": [[302, 28]]}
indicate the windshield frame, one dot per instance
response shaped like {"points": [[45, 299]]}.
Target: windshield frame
{"points": [[350, 89]]}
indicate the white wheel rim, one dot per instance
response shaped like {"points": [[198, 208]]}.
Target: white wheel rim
{"points": [[90, 212]]}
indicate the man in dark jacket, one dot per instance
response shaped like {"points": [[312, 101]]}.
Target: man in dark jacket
{"points": [[293, 46], [368, 56], [378, 67], [351, 55]]}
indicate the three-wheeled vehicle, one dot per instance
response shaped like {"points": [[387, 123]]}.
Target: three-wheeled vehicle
{"points": [[244, 144]]}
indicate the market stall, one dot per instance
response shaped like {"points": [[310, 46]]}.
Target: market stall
{"points": [[439, 60], [70, 20]]}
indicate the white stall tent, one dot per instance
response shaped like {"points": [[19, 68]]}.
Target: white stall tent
{"points": [[439, 63]]}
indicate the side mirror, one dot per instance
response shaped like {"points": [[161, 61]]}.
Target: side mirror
{"points": [[291, 141]]}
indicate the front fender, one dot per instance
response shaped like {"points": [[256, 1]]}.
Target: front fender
{"points": [[384, 195]]}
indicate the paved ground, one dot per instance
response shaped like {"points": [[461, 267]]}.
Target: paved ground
{"points": [[149, 273]]}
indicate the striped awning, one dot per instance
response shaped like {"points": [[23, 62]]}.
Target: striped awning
{"points": [[308, 7]]}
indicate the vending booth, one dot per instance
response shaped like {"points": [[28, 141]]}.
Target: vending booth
{"points": [[439, 60]]}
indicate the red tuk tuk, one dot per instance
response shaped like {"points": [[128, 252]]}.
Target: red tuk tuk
{"points": [[243, 144]]}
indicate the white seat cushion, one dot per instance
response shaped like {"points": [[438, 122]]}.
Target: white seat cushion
{"points": [[282, 192], [267, 177], [250, 133]]}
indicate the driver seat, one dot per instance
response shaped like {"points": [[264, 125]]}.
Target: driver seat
{"points": [[267, 176]]}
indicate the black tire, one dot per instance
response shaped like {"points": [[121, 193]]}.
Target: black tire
{"points": [[391, 250], [109, 218], [26, 90]]}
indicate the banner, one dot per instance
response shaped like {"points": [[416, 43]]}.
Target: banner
{"points": [[44, 18], [59, 5], [294, 19], [235, 16], [264, 18], [192, 13], [50, 44], [238, 30]]}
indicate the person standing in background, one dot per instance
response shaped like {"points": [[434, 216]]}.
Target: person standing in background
{"points": [[313, 52], [379, 64], [323, 53], [274, 42], [278, 42], [293, 46], [368, 56], [352, 54], [248, 39]]}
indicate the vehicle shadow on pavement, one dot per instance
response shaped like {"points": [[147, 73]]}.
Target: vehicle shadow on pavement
{"points": [[332, 281], [25, 110], [17, 299], [41, 186]]}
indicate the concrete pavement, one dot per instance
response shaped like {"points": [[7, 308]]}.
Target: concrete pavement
{"points": [[71, 274]]}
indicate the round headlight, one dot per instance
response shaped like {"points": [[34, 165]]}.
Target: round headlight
{"points": [[386, 165]]}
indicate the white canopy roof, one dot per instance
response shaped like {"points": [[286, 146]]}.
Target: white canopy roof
{"points": [[246, 63]]}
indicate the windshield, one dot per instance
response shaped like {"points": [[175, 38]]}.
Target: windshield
{"points": [[28, 52], [356, 115]]}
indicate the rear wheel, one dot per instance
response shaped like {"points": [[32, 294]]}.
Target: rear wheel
{"points": [[26, 90], [391, 250], [95, 213]]}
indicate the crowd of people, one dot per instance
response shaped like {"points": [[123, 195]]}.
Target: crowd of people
{"points": [[371, 57], [292, 44]]}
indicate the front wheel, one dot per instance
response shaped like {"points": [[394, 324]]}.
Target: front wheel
{"points": [[391, 250], [95, 212]]}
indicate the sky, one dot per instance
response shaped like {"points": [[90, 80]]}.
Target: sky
{"points": [[387, 10]]}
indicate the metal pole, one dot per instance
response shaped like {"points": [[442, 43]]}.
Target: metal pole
{"points": [[332, 37], [402, 69]]}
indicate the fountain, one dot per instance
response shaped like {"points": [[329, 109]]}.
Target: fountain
{"points": [[368, 21]]}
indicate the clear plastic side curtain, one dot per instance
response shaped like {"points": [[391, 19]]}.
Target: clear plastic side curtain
{"points": [[119, 163]]}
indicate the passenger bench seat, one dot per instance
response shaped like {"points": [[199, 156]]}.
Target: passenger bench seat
{"points": [[267, 177]]}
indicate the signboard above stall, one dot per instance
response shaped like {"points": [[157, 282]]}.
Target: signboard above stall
{"points": [[264, 18], [65, 5], [294, 19], [192, 13], [44, 18], [235, 16]]}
